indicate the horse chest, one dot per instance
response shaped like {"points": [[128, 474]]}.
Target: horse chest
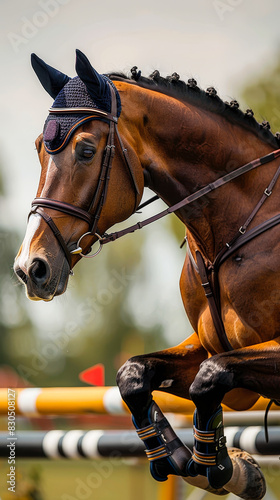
{"points": [[249, 303]]}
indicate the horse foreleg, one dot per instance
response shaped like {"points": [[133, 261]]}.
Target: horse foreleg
{"points": [[172, 370], [256, 368]]}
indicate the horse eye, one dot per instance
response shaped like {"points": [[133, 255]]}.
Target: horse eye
{"points": [[88, 153], [84, 152]]}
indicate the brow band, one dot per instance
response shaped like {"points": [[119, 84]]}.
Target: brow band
{"points": [[92, 111]]}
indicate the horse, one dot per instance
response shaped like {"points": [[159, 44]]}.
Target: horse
{"points": [[106, 138]]}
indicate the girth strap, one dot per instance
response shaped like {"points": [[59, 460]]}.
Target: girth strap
{"points": [[214, 310]]}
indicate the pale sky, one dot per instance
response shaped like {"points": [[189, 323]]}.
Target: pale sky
{"points": [[219, 42]]}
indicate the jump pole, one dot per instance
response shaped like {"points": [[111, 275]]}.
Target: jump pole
{"points": [[96, 400], [100, 444]]}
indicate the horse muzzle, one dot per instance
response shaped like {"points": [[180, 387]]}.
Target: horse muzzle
{"points": [[40, 263], [42, 282]]}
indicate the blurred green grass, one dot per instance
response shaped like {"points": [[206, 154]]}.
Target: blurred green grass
{"points": [[109, 479], [79, 480]]}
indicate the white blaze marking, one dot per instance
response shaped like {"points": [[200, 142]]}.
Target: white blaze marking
{"points": [[32, 227], [50, 167]]}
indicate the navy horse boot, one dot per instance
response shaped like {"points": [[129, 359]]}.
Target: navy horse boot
{"points": [[165, 451], [210, 455]]}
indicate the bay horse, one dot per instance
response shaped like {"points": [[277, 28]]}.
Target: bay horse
{"points": [[106, 138]]}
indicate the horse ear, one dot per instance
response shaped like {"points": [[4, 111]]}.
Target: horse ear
{"points": [[94, 82], [51, 79]]}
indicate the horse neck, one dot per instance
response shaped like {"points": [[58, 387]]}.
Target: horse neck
{"points": [[182, 148]]}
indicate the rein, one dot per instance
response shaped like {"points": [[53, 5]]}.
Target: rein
{"points": [[221, 181]]}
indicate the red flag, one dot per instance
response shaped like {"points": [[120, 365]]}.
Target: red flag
{"points": [[95, 375]]}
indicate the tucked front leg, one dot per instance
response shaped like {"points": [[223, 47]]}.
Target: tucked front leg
{"points": [[172, 370], [255, 368]]}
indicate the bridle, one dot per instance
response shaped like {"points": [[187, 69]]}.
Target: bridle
{"points": [[92, 215]]}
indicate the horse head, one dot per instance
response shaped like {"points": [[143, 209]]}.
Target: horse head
{"points": [[89, 180]]}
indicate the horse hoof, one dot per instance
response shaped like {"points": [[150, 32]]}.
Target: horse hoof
{"points": [[247, 480]]}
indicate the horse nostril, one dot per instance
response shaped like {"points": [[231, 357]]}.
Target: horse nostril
{"points": [[39, 272], [21, 275]]}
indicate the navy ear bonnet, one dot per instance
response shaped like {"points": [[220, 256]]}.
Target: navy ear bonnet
{"points": [[87, 90], [59, 128]]}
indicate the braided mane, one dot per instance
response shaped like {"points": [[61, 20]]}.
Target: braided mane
{"points": [[209, 100]]}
